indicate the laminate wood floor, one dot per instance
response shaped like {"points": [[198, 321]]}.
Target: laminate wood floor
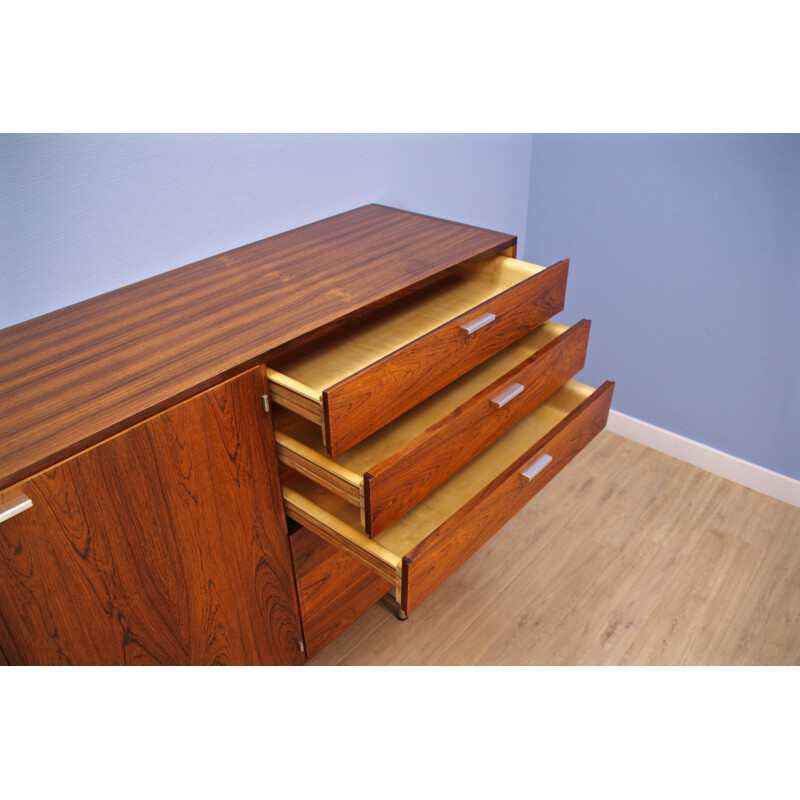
{"points": [[628, 556]]}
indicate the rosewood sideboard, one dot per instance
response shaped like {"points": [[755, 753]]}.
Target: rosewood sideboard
{"points": [[229, 462]]}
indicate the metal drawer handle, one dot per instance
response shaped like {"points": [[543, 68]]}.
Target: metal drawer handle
{"points": [[508, 394], [479, 322], [536, 467], [14, 507]]}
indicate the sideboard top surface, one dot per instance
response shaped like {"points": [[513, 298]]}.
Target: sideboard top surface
{"points": [[74, 376]]}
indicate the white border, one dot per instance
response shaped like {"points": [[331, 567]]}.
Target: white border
{"points": [[781, 487]]}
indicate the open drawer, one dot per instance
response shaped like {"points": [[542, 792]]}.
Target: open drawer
{"points": [[422, 549], [393, 469], [360, 378]]}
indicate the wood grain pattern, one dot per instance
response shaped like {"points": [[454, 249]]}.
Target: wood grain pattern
{"points": [[346, 352], [446, 528], [361, 404], [601, 625], [333, 476], [693, 616], [307, 407], [518, 589], [577, 561], [338, 521], [333, 588], [765, 628], [300, 447], [400, 481], [441, 553], [444, 620], [308, 342], [75, 376], [544, 591], [164, 545], [337, 531]]}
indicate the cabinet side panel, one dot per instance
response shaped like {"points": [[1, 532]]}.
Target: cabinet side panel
{"points": [[163, 545]]}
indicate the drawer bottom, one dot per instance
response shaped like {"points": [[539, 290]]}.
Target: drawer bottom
{"points": [[423, 548]]}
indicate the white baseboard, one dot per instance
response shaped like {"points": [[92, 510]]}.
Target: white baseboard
{"points": [[781, 487]]}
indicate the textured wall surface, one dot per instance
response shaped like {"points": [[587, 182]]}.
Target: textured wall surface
{"points": [[86, 213], [686, 255]]}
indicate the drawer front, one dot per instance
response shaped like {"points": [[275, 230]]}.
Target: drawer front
{"points": [[429, 564], [399, 482], [366, 401], [418, 569]]}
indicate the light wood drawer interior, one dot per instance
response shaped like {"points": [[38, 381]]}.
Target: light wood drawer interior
{"points": [[332, 383], [338, 521], [345, 352], [379, 471]]}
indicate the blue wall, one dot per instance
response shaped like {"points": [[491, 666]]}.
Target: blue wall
{"points": [[82, 214], [685, 253], [685, 248]]}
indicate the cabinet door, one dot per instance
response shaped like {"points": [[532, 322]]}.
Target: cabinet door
{"points": [[165, 544]]}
